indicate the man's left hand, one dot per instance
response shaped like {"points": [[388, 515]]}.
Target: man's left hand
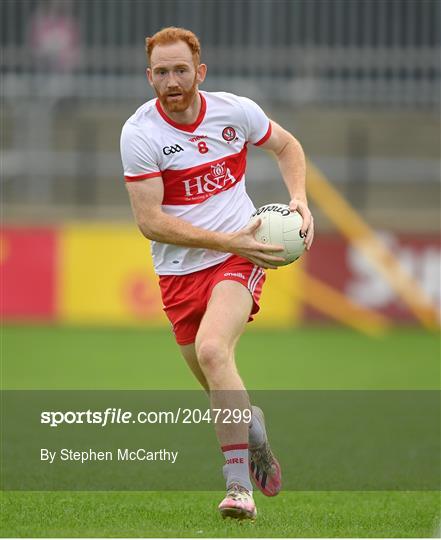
{"points": [[307, 230]]}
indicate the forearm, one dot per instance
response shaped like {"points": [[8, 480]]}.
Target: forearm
{"points": [[158, 226], [292, 165], [168, 229]]}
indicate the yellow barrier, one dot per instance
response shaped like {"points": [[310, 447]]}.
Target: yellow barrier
{"points": [[106, 277]]}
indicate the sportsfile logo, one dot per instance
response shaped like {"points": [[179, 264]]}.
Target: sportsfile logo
{"points": [[216, 180]]}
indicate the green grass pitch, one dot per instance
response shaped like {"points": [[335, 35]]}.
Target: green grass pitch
{"points": [[320, 358]]}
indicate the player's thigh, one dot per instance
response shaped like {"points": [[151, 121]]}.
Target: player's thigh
{"points": [[226, 315]]}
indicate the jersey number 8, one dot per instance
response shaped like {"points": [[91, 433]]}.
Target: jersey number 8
{"points": [[202, 147]]}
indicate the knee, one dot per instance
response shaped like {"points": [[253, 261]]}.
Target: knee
{"points": [[212, 356]]}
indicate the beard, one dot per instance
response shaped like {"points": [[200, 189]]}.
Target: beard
{"points": [[181, 104]]}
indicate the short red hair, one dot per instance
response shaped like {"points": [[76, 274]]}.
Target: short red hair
{"points": [[172, 34]]}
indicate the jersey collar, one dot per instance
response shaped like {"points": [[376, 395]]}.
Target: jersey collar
{"points": [[184, 127]]}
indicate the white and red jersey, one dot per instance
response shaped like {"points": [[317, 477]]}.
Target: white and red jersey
{"points": [[202, 166]]}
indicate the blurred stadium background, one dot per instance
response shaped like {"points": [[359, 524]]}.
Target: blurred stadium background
{"points": [[357, 81]]}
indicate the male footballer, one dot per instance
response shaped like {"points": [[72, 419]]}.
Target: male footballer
{"points": [[184, 157]]}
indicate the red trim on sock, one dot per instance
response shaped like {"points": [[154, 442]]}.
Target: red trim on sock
{"points": [[229, 447]]}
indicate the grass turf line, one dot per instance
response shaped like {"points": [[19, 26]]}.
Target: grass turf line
{"points": [[194, 514], [47, 357], [324, 358]]}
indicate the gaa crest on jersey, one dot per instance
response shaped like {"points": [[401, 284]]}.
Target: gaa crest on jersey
{"points": [[167, 150], [229, 134]]}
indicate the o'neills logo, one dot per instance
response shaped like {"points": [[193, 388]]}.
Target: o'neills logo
{"points": [[215, 180], [197, 138], [280, 208]]}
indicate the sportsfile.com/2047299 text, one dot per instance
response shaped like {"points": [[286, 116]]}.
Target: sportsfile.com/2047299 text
{"points": [[113, 415]]}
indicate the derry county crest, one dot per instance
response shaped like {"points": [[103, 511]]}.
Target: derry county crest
{"points": [[229, 133]]}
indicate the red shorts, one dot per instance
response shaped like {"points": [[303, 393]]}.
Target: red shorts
{"points": [[186, 297]]}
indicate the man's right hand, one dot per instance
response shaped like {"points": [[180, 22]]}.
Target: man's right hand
{"points": [[244, 244]]}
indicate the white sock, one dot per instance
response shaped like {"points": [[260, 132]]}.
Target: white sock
{"points": [[236, 465], [256, 432]]}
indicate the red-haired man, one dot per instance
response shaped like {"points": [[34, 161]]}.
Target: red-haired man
{"points": [[184, 157]]}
